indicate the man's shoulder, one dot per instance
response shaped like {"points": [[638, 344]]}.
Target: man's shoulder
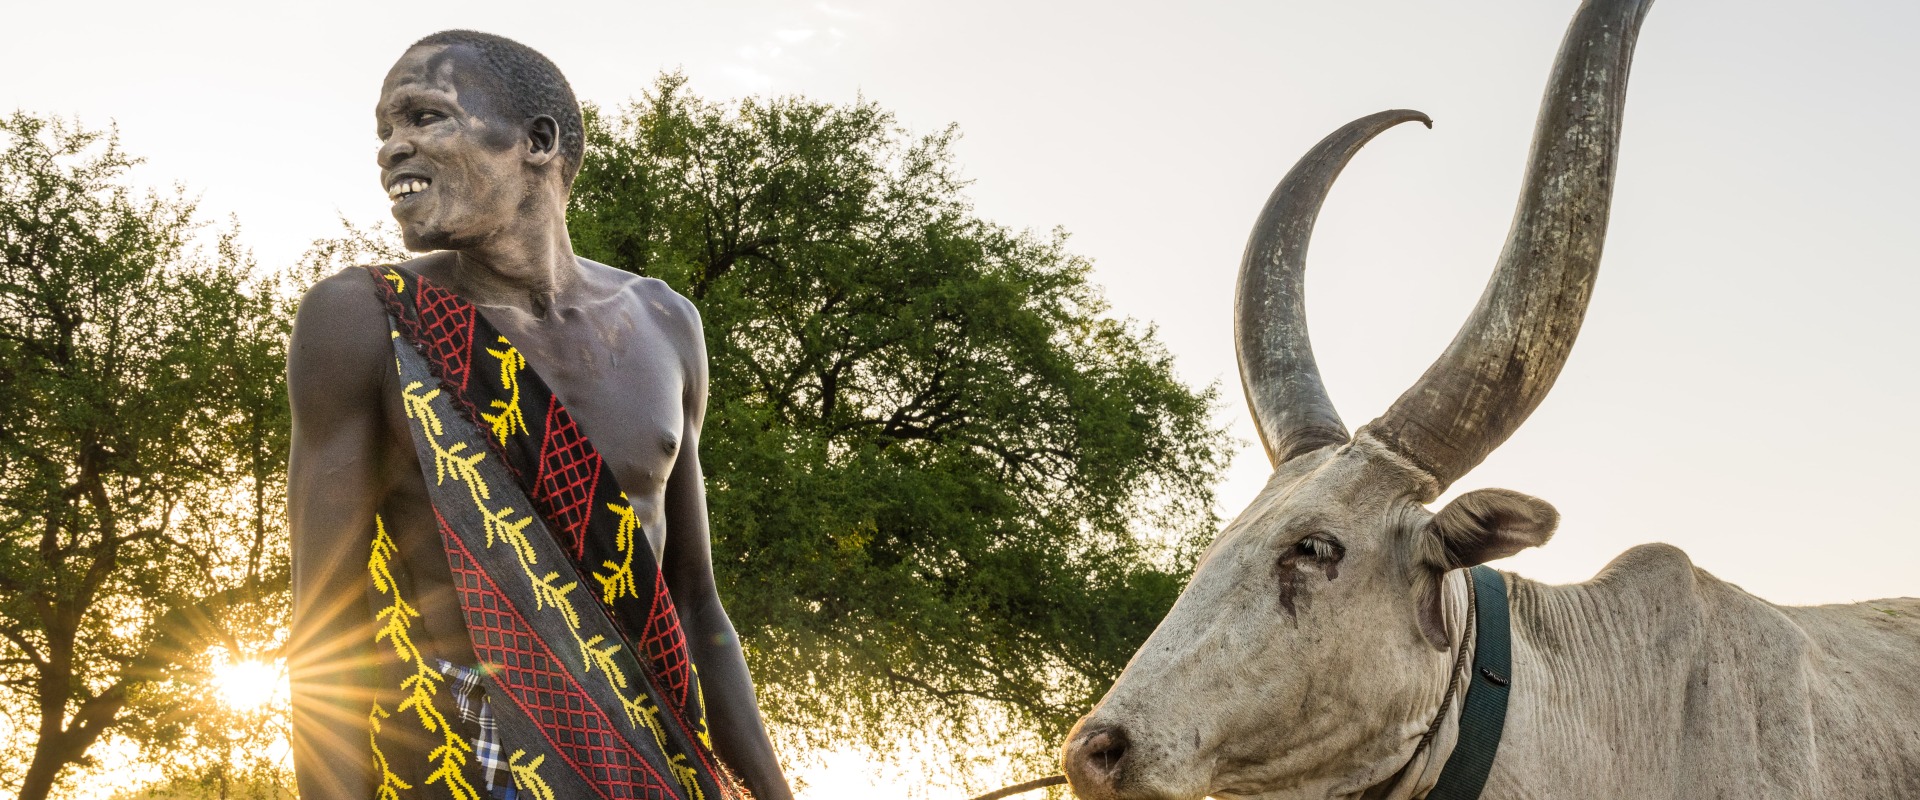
{"points": [[353, 294], [339, 298], [654, 297], [663, 310], [339, 332]]}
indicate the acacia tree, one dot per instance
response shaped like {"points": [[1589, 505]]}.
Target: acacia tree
{"points": [[141, 446], [949, 493]]}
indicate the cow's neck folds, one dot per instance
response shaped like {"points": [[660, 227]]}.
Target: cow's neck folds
{"points": [[1423, 765]]}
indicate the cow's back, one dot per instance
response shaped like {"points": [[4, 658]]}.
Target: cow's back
{"points": [[1864, 670], [1792, 702], [1656, 679]]}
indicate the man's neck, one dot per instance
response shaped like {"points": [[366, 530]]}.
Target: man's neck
{"points": [[529, 266]]}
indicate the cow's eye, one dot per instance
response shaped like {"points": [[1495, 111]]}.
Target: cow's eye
{"points": [[1320, 547], [1320, 550]]}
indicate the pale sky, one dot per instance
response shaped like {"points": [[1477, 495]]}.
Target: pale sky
{"points": [[1745, 385]]}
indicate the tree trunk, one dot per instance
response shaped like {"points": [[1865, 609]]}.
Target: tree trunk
{"points": [[51, 754]]}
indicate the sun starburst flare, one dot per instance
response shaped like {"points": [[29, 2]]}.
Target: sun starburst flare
{"points": [[246, 684]]}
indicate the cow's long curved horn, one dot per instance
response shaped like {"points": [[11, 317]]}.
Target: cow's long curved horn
{"points": [[1507, 355], [1289, 404]]}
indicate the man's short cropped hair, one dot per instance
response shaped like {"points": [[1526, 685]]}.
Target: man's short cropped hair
{"points": [[528, 85]]}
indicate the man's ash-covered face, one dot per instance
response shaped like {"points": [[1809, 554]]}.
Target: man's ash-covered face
{"points": [[454, 169]]}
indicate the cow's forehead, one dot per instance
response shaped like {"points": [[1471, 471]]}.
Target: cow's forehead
{"points": [[1337, 485]]}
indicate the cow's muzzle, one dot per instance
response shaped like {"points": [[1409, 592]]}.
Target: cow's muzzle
{"points": [[1095, 760]]}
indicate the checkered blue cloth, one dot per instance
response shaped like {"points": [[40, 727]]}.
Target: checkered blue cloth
{"points": [[471, 696]]}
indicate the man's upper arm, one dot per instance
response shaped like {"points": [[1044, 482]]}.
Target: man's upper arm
{"points": [[689, 555], [334, 377], [739, 734]]}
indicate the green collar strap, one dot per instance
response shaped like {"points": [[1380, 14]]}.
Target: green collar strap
{"points": [[1483, 714]]}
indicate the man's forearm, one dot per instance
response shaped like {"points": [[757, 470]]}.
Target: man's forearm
{"points": [[331, 698], [330, 760], [733, 716]]}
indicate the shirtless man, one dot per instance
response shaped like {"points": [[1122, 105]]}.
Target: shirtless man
{"points": [[480, 140]]}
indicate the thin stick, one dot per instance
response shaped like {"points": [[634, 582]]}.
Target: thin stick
{"points": [[1022, 788]]}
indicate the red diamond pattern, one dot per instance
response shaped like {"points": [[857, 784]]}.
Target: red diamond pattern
{"points": [[665, 645], [444, 328], [446, 332], [569, 471], [580, 731]]}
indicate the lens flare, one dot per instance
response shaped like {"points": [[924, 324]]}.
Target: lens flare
{"points": [[246, 685]]}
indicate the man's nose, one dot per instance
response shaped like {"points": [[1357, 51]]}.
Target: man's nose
{"points": [[394, 151]]}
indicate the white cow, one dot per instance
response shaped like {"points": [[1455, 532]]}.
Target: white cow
{"points": [[1321, 648]]}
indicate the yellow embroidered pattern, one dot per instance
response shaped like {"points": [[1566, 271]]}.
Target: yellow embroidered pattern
{"points": [[527, 777], [390, 784], [700, 708], [510, 420], [625, 539], [456, 463], [451, 756], [687, 776], [649, 715], [393, 277]]}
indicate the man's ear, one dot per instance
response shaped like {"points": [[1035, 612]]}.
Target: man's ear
{"points": [[1475, 528], [543, 136], [1489, 524]]}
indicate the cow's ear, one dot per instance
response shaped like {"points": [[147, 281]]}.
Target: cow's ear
{"points": [[1475, 528], [1489, 524]]}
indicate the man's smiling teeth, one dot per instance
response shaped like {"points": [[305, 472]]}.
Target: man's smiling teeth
{"points": [[405, 186]]}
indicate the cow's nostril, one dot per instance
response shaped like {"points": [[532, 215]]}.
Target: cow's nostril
{"points": [[1095, 761], [1106, 749]]}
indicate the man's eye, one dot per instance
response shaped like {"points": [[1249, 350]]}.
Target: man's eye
{"points": [[427, 117]]}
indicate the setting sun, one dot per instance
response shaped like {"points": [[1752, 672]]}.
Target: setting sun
{"points": [[248, 684]]}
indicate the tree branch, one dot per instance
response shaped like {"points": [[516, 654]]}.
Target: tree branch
{"points": [[943, 694], [33, 653]]}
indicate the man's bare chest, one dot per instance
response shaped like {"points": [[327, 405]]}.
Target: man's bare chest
{"points": [[624, 384], [621, 378]]}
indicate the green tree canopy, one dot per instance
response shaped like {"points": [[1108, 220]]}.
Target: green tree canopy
{"points": [[950, 494], [142, 439]]}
